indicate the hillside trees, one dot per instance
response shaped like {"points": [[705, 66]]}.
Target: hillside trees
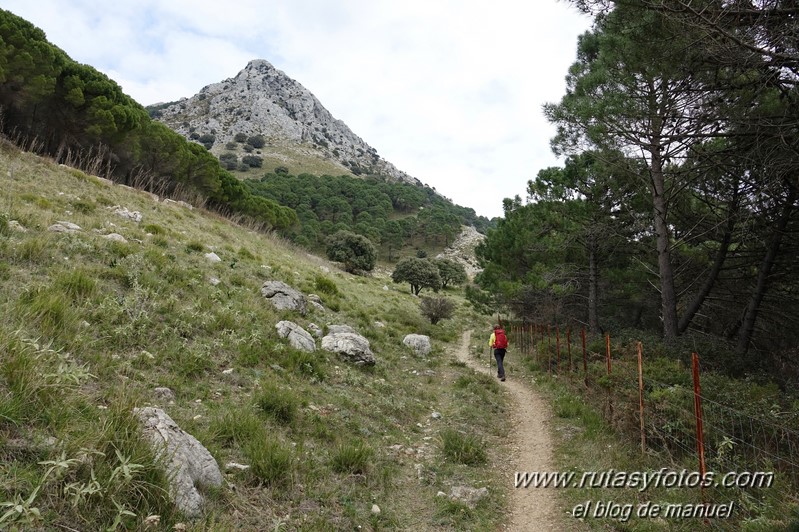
{"points": [[691, 132], [78, 115], [451, 272], [356, 252], [418, 273], [391, 215], [630, 91]]}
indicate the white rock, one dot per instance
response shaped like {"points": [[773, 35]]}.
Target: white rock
{"points": [[64, 227], [419, 343], [213, 257], [188, 463], [375, 509], [16, 226], [351, 346], [284, 297], [116, 237], [468, 496], [123, 212], [298, 337]]}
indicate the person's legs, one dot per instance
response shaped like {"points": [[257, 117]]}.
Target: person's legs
{"points": [[499, 354]]}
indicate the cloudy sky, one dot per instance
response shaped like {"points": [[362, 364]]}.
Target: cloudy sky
{"points": [[449, 91]]}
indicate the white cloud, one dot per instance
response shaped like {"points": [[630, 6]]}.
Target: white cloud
{"points": [[449, 91]]}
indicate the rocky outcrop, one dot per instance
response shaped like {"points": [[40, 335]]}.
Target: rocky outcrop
{"points": [[419, 343], [189, 464], [284, 297], [462, 250], [262, 100], [352, 347], [298, 337]]}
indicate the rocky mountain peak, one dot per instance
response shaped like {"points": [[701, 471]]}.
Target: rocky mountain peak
{"points": [[262, 100]]}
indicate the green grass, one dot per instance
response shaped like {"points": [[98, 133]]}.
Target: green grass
{"points": [[463, 448], [277, 403], [351, 458], [88, 328], [271, 461]]}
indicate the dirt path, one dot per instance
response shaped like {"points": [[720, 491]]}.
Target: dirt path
{"points": [[529, 449]]}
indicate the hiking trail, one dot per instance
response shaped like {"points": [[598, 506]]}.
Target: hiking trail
{"points": [[529, 448]]}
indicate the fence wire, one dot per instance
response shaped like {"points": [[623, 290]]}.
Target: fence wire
{"points": [[733, 440]]}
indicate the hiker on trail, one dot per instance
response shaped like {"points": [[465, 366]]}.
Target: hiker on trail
{"points": [[499, 343]]}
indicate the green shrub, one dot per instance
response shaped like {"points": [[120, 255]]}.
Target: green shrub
{"points": [[245, 253], [194, 245], [436, 309], [154, 229], [307, 364], [252, 161], [325, 285], [256, 141], [279, 404], [84, 206], [351, 458], [463, 448]]}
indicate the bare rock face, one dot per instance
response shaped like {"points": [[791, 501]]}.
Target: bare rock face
{"points": [[353, 347], [298, 337], [188, 462], [462, 250], [267, 102], [284, 297], [419, 343]]}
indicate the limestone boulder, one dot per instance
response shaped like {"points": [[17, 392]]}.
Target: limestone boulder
{"points": [[298, 337], [188, 463], [419, 343], [284, 297], [352, 347]]}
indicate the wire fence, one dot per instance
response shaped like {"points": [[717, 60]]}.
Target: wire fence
{"points": [[739, 436]]}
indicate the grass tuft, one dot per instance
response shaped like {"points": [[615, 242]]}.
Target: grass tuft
{"points": [[279, 404], [271, 462], [463, 448], [354, 458]]}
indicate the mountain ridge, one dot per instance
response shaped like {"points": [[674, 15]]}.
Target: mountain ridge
{"points": [[262, 100]]}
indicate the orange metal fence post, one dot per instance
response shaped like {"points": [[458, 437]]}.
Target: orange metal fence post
{"points": [[607, 349], [585, 356], [569, 346], [549, 349], [557, 345]]}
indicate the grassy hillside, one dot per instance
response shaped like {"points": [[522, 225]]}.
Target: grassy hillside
{"points": [[90, 326], [299, 159]]}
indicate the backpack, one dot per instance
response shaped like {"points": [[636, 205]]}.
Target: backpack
{"points": [[500, 340]]}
